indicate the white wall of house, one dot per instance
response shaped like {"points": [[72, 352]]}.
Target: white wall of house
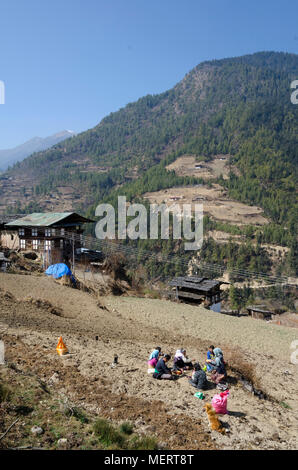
{"points": [[9, 239]]}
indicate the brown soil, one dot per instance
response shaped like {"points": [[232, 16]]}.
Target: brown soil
{"points": [[131, 327], [215, 203], [186, 166]]}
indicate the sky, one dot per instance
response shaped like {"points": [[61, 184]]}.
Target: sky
{"points": [[66, 64]]}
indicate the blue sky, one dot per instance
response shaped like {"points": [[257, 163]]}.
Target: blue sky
{"points": [[66, 64]]}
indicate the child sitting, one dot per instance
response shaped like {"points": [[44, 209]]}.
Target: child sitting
{"points": [[210, 359]]}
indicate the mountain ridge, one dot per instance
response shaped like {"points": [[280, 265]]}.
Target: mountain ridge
{"points": [[238, 106], [35, 144]]}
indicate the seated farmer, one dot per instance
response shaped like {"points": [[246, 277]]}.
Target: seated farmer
{"points": [[219, 373], [181, 361], [152, 363], [210, 358], [154, 356], [161, 369], [198, 378]]}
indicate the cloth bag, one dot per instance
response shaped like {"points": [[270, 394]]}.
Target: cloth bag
{"points": [[220, 402]]}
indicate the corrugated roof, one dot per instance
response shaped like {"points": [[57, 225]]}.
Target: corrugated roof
{"points": [[5, 218], [45, 219], [196, 283], [258, 308]]}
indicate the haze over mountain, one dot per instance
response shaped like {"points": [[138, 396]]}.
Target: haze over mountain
{"points": [[239, 106], [10, 156]]}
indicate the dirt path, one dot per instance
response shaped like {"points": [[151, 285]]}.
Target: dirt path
{"points": [[131, 327]]}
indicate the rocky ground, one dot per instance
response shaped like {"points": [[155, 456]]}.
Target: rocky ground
{"points": [[35, 311]]}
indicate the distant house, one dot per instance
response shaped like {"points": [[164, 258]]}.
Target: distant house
{"points": [[54, 235], [198, 290], [259, 312]]}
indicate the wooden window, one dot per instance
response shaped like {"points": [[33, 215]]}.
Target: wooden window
{"points": [[23, 244], [35, 244], [34, 232], [47, 244], [21, 232], [48, 232]]}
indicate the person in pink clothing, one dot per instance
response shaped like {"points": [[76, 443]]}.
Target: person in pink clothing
{"points": [[152, 363], [154, 357]]}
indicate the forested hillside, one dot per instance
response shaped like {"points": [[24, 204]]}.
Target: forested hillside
{"points": [[239, 106]]}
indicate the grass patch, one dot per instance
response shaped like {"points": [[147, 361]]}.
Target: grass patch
{"points": [[122, 437], [126, 428], [77, 413], [151, 293], [143, 443], [5, 393], [108, 435], [285, 405]]}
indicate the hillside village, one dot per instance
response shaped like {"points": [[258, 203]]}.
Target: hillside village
{"points": [[109, 303]]}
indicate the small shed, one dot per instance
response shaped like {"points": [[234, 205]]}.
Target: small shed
{"points": [[197, 289], [260, 312]]}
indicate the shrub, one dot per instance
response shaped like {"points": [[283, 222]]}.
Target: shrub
{"points": [[107, 434], [126, 428], [143, 443]]}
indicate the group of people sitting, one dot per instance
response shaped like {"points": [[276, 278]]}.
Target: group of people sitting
{"points": [[215, 366]]}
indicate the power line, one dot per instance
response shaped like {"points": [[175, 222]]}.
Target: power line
{"points": [[114, 247]]}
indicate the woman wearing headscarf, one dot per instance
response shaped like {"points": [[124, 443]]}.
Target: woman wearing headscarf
{"points": [[154, 357], [219, 373], [181, 361]]}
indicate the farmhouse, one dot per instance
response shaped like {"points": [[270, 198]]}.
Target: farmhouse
{"points": [[198, 290], [53, 235]]}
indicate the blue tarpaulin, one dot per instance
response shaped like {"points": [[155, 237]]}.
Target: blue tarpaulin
{"points": [[58, 270]]}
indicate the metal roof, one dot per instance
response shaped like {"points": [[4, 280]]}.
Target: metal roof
{"points": [[5, 218], [47, 219], [196, 283], [258, 308]]}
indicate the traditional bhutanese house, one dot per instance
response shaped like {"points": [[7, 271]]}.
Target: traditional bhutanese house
{"points": [[198, 290], [9, 237], [54, 235], [259, 312]]}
